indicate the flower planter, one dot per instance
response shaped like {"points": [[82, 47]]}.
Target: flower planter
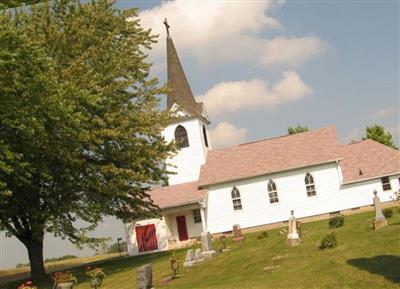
{"points": [[96, 282], [64, 285]]}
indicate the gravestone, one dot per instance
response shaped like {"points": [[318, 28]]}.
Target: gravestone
{"points": [[189, 260], [237, 234], [144, 277], [206, 242], [197, 255], [206, 245], [380, 220], [292, 237]]}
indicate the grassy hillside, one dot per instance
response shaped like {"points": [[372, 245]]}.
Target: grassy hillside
{"points": [[24, 272], [364, 258]]}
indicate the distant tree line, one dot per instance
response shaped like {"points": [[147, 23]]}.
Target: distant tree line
{"points": [[115, 249], [375, 132], [48, 260]]}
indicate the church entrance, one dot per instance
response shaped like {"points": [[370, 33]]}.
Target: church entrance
{"points": [[146, 238], [182, 229]]}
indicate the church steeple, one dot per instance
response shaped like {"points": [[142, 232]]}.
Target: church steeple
{"points": [[180, 92]]}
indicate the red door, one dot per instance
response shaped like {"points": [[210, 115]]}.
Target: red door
{"points": [[146, 238], [182, 230]]}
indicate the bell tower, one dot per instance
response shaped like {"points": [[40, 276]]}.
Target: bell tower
{"points": [[189, 126]]}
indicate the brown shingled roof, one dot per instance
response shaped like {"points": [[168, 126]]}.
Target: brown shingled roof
{"points": [[372, 158], [179, 88], [270, 155], [177, 195]]}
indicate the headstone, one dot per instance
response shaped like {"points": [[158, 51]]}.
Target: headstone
{"points": [[292, 237], [206, 245], [380, 220], [189, 260], [206, 242], [237, 234], [189, 255], [271, 268], [144, 277], [279, 258], [193, 258], [197, 255]]}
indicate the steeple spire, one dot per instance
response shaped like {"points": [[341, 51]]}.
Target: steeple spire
{"points": [[179, 89]]}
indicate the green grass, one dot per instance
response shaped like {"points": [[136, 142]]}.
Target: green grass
{"points": [[364, 259], [24, 272]]}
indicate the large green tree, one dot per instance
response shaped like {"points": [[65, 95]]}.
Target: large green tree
{"points": [[5, 4], [378, 133], [80, 132]]}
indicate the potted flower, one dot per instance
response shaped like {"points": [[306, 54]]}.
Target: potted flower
{"points": [[27, 285], [96, 276], [64, 280], [174, 263]]}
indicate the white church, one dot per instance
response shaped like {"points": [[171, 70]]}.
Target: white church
{"points": [[255, 184]]}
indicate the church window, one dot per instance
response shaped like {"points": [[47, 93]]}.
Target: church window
{"points": [[386, 184], [205, 136], [196, 216], [310, 186], [236, 200], [272, 192], [181, 137]]}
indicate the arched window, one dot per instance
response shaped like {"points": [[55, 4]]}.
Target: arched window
{"points": [[205, 136], [181, 137], [237, 202], [310, 186], [272, 192]]}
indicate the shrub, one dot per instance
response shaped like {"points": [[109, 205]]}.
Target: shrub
{"points": [[263, 235], [388, 213], [329, 241], [336, 222]]}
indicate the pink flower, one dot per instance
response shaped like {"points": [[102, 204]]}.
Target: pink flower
{"points": [[29, 283]]}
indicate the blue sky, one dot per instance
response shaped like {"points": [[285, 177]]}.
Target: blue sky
{"points": [[263, 66]]}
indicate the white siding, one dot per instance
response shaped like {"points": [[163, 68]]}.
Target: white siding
{"points": [[194, 229], [292, 195], [255, 202], [188, 160], [166, 230], [162, 240], [361, 194]]}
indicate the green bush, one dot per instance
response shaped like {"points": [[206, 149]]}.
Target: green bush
{"points": [[388, 213], [263, 235], [336, 222], [329, 241]]}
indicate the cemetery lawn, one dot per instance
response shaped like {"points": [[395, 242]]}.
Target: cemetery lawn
{"points": [[364, 258]]}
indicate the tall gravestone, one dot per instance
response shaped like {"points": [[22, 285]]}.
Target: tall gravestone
{"points": [[144, 277], [198, 255], [292, 237], [206, 245], [190, 259], [380, 220], [237, 234]]}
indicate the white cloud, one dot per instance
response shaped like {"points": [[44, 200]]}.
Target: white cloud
{"points": [[292, 51], [254, 94], [223, 31], [226, 134], [384, 112], [395, 131]]}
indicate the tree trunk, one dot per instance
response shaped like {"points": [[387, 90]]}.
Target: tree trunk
{"points": [[35, 252]]}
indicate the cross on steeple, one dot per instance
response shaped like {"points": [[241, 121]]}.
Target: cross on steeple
{"points": [[166, 25], [180, 92]]}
